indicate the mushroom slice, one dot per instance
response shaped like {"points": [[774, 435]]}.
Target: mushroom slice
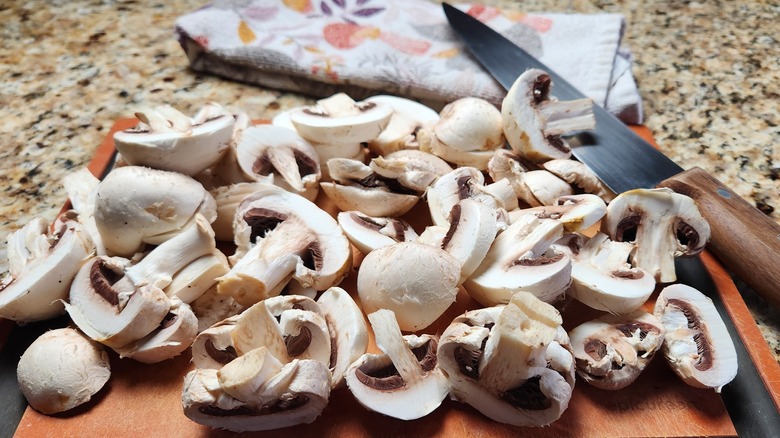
{"points": [[213, 347], [544, 188], [506, 165], [137, 205], [522, 259], [197, 277], [601, 276], [81, 187], [257, 327], [404, 382], [463, 183], [296, 395], [62, 369], [661, 223], [282, 236], [413, 169], [267, 149], [356, 186], [696, 343], [468, 131], [174, 335], [575, 212], [611, 351], [303, 327], [401, 131], [348, 331], [473, 227], [510, 362], [116, 303], [368, 233], [168, 140], [533, 122], [42, 267], [339, 119], [579, 175], [416, 281], [227, 199]]}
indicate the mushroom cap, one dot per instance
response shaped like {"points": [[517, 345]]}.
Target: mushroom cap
{"points": [[174, 335], [697, 344], [400, 133], [544, 187], [339, 119], [458, 184], [347, 328], [661, 223], [418, 282], [414, 169], [473, 227], [470, 124], [368, 233], [377, 202], [580, 175], [137, 205], [62, 369], [575, 212], [189, 147]]}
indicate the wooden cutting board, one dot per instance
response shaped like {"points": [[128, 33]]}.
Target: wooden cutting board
{"points": [[145, 400]]}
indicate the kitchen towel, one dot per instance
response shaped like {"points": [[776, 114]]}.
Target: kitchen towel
{"points": [[401, 47]]}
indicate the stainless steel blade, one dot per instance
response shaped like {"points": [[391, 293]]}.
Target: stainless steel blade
{"points": [[624, 161], [620, 158]]}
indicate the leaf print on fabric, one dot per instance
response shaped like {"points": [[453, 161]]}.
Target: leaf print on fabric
{"points": [[367, 12], [406, 45], [302, 6], [340, 35], [326, 9], [340, 3], [259, 13], [245, 33]]}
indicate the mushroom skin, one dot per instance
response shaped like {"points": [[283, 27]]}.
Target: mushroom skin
{"points": [[417, 282], [575, 212], [611, 351], [533, 122], [510, 362], [42, 266], [579, 175], [661, 223], [696, 343], [404, 382], [463, 183], [61, 370], [368, 233], [413, 169], [408, 118], [340, 120]]}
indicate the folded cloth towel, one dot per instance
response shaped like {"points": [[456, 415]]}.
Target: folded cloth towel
{"points": [[402, 47]]}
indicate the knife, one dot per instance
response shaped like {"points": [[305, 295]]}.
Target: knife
{"points": [[745, 239]]}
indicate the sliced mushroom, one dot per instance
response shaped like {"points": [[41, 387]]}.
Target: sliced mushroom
{"points": [[579, 175], [81, 187], [510, 362], [166, 139], [115, 303], [467, 133], [282, 236], [522, 259], [227, 199], [303, 327], [611, 351], [227, 171], [267, 149], [297, 394], [413, 169], [193, 280], [137, 205], [575, 212], [533, 122], [662, 224], [473, 227], [696, 343], [401, 131], [544, 188], [212, 307], [42, 267], [213, 347], [601, 276], [348, 331], [416, 281], [368, 233], [506, 165], [339, 119], [62, 369], [356, 186], [463, 183], [174, 335], [404, 382]]}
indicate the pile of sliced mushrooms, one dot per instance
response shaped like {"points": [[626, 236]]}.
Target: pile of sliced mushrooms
{"points": [[514, 221]]}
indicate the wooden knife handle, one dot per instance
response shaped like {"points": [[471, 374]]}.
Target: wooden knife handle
{"points": [[742, 237]]}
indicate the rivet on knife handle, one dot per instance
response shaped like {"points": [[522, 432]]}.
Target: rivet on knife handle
{"points": [[743, 238]]}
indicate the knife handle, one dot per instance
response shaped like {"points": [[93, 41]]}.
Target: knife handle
{"points": [[746, 240]]}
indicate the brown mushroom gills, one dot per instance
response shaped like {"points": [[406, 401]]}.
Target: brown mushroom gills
{"points": [[527, 396], [222, 356], [286, 402], [704, 362], [103, 278], [387, 378]]}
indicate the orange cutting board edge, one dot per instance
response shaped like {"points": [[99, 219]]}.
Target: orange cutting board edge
{"points": [[145, 400]]}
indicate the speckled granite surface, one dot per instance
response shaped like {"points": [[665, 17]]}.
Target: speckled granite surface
{"points": [[707, 71]]}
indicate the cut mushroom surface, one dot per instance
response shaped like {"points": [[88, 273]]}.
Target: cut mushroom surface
{"points": [[413, 169], [612, 351], [579, 175], [662, 224], [61, 370], [575, 212], [174, 335], [404, 382], [407, 119], [368, 233], [510, 362], [340, 120], [473, 227], [466, 183], [533, 122], [697, 345]]}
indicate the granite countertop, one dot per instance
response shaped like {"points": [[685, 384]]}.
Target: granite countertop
{"points": [[707, 72]]}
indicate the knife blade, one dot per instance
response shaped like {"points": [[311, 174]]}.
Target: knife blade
{"points": [[743, 238], [624, 161]]}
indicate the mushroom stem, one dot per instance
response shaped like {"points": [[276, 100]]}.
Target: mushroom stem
{"points": [[562, 117], [388, 338]]}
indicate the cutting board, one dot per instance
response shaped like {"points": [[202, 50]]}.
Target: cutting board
{"points": [[145, 400]]}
